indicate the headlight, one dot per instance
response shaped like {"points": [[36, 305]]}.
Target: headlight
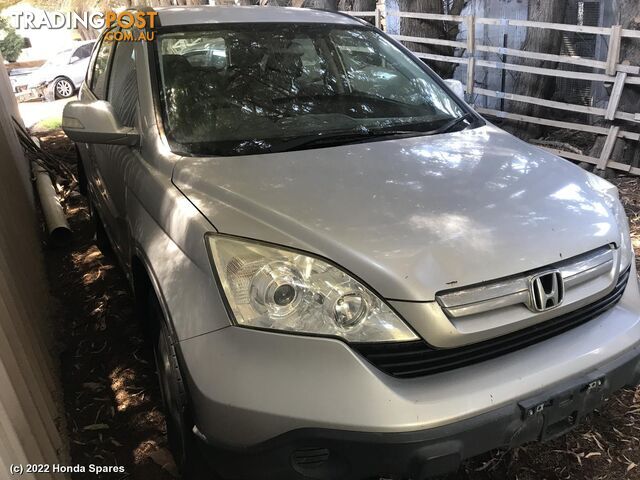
{"points": [[626, 249], [611, 196], [280, 289]]}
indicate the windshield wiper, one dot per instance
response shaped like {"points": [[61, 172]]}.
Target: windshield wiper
{"points": [[418, 128], [449, 126], [326, 139], [353, 136]]}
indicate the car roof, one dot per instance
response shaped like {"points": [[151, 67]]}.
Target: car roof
{"points": [[208, 14]]}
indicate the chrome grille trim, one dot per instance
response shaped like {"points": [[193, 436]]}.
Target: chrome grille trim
{"points": [[515, 290], [418, 358]]}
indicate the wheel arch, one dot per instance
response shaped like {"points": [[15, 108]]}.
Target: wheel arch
{"points": [[83, 184], [144, 284], [63, 77]]}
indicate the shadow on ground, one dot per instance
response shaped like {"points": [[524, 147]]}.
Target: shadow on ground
{"points": [[111, 397]]}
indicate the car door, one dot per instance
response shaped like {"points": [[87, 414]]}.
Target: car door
{"points": [[114, 79], [114, 161], [95, 89]]}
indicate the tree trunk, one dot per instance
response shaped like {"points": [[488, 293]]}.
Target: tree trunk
{"points": [[423, 28], [629, 15], [538, 40], [357, 5], [451, 30], [331, 5], [87, 33], [201, 2], [630, 52], [414, 27]]}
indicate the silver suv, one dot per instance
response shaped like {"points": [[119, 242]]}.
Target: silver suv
{"points": [[346, 271]]}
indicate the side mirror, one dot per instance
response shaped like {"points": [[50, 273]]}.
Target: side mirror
{"points": [[456, 86], [74, 59], [95, 122]]}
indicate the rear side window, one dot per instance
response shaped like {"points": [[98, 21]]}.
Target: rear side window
{"points": [[123, 83], [84, 51], [99, 75]]}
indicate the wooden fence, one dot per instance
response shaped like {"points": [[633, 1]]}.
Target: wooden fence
{"points": [[613, 71], [30, 412]]}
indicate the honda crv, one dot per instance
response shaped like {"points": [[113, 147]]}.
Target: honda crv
{"points": [[347, 273]]}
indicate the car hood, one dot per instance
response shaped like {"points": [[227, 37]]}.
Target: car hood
{"points": [[411, 216]]}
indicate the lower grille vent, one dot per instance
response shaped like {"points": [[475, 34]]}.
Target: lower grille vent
{"points": [[310, 457]]}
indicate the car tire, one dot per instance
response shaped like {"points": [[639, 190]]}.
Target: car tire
{"points": [[63, 88], [82, 177], [181, 439], [100, 234]]}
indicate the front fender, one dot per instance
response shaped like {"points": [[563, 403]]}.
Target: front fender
{"points": [[167, 234]]}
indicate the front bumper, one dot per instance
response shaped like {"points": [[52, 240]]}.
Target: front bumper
{"points": [[271, 405], [335, 454]]}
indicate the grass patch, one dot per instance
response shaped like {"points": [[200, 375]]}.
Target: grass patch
{"points": [[51, 123]]}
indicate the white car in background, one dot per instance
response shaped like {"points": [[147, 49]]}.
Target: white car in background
{"points": [[20, 78], [65, 71]]}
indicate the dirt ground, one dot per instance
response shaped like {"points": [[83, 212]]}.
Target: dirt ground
{"points": [[111, 396], [113, 404]]}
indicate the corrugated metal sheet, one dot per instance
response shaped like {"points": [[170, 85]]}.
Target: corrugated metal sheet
{"points": [[29, 410], [578, 44], [497, 36]]}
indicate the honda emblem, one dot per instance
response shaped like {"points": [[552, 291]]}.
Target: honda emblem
{"points": [[546, 290]]}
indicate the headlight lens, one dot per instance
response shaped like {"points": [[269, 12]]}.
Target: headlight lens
{"points": [[279, 289], [611, 196]]}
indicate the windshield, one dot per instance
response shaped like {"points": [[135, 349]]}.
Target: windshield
{"points": [[245, 89]]}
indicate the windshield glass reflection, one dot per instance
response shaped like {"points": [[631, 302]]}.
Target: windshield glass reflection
{"points": [[242, 89]]}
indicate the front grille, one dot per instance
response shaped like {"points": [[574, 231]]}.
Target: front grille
{"points": [[416, 359], [591, 268]]}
